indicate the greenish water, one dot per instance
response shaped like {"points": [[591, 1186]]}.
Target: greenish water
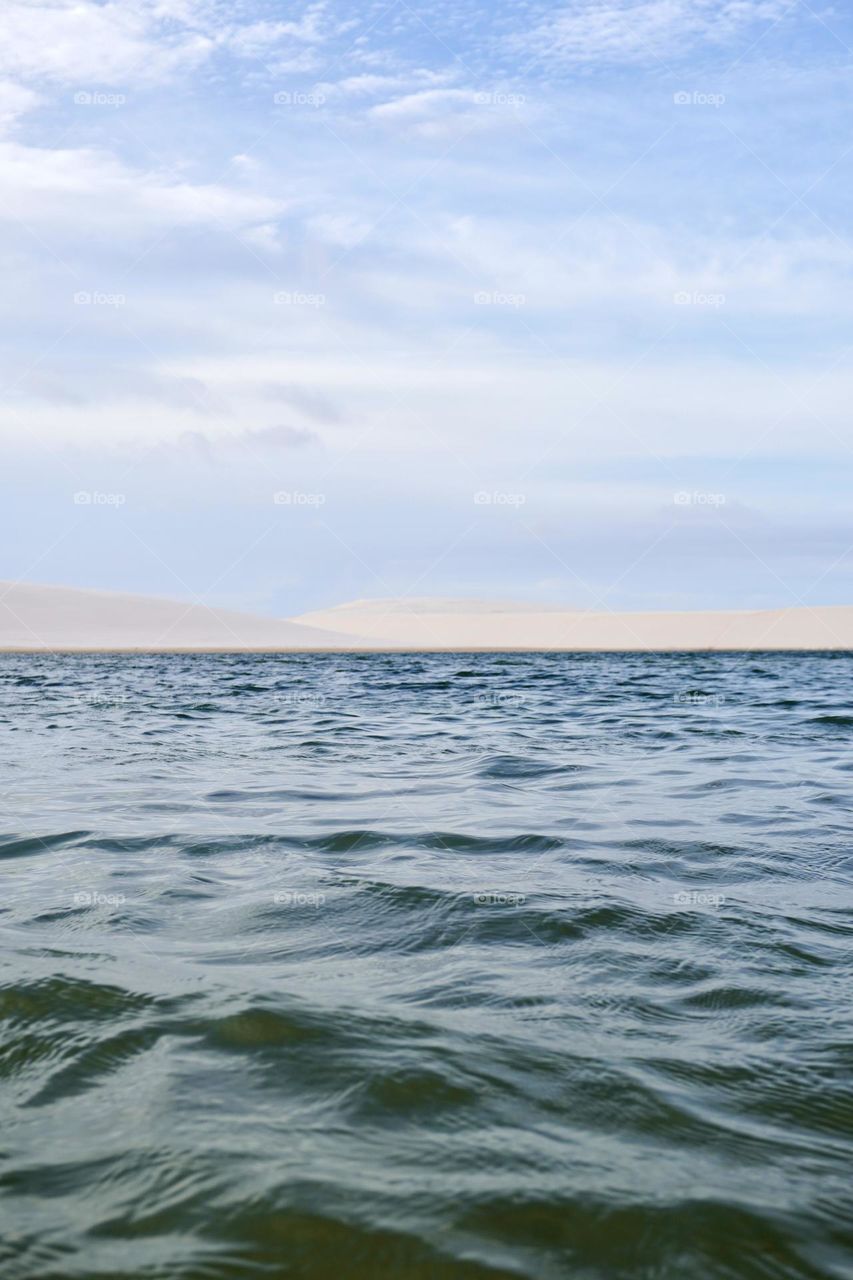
{"points": [[446, 966]]}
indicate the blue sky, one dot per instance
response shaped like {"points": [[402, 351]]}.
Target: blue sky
{"points": [[540, 302]]}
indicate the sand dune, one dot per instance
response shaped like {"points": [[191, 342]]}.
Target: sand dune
{"points": [[471, 624], [39, 618], [67, 618]]}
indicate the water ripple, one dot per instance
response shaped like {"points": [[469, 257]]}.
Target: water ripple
{"points": [[444, 967]]}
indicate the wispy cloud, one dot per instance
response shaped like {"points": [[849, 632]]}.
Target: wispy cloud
{"points": [[15, 101], [141, 42], [75, 41], [613, 31], [96, 187], [368, 85]]}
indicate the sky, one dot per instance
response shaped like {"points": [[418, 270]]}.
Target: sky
{"points": [[535, 302]]}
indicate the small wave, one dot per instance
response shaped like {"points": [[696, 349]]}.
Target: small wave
{"points": [[26, 846], [520, 767]]}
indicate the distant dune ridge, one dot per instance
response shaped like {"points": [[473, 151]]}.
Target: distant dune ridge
{"points": [[39, 618], [34, 618], [474, 624]]}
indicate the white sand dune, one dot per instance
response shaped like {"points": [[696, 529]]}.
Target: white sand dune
{"points": [[471, 624], [45, 618], [67, 618]]}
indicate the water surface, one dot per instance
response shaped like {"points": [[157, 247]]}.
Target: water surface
{"points": [[445, 967]]}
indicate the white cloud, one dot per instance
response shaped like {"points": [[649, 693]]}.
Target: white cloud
{"points": [[343, 229], [73, 42], [257, 38], [369, 85], [447, 113], [426, 103], [15, 101], [97, 189], [610, 31], [265, 236], [123, 43], [615, 264], [260, 440]]}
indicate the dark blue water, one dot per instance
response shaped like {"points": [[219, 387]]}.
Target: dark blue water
{"points": [[426, 967]]}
